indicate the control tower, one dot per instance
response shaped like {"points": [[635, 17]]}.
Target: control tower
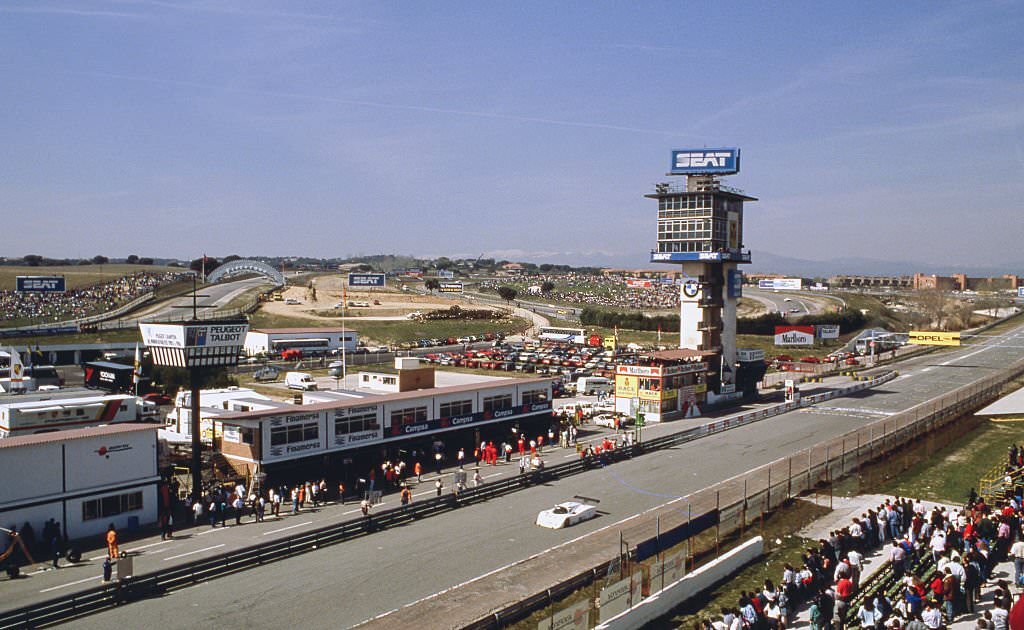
{"points": [[700, 228]]}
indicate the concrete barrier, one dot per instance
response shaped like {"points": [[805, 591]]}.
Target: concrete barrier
{"points": [[663, 601]]}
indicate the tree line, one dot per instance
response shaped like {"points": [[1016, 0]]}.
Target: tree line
{"points": [[848, 320]]}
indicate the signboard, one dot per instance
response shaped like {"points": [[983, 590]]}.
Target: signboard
{"points": [[748, 355], [195, 345], [609, 343], [827, 331], [690, 291], [766, 284], [447, 275], [1020, 292], [366, 279], [735, 283], [794, 335], [675, 567], [725, 161], [575, 617], [40, 284], [639, 284], [788, 284], [920, 338], [625, 386], [615, 599], [450, 287]]}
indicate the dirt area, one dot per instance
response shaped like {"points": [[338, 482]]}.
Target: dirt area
{"points": [[329, 292]]}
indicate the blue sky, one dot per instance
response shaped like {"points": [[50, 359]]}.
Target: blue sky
{"points": [[527, 130]]}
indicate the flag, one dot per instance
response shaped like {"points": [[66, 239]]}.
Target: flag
{"points": [[17, 367], [137, 372]]}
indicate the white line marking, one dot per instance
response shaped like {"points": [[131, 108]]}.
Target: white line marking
{"points": [[212, 530], [282, 529], [156, 544], [182, 555], [54, 588]]}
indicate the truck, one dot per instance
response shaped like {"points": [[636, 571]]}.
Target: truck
{"points": [[300, 380], [112, 377], [591, 385]]}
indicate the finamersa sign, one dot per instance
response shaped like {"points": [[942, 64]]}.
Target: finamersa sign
{"points": [[920, 338]]}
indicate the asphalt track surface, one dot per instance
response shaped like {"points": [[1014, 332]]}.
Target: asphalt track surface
{"points": [[217, 295], [346, 584]]}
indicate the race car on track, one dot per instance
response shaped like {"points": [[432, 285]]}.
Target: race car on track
{"points": [[566, 514]]}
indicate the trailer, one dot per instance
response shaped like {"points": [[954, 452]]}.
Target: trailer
{"points": [[112, 377]]}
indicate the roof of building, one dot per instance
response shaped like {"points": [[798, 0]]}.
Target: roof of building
{"points": [[302, 331], [76, 434], [362, 402], [60, 401], [678, 354], [1009, 405]]}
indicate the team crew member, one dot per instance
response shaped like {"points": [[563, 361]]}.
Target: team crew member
{"points": [[112, 550], [406, 495]]}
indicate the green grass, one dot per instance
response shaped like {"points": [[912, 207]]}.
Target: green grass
{"points": [[878, 313], [103, 336], [950, 473], [77, 276]]}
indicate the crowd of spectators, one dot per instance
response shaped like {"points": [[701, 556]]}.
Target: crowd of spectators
{"points": [[610, 291], [938, 562], [80, 302]]}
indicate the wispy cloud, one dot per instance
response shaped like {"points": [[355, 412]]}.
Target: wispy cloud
{"points": [[73, 11], [391, 106]]}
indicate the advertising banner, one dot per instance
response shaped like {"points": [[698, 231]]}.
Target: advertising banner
{"points": [[746, 355], [625, 386], [766, 284], [223, 334], [794, 335], [675, 567], [827, 331], [447, 275], [40, 284], [366, 279], [1020, 292], [788, 284], [639, 284], [920, 338], [615, 599], [735, 283], [575, 617], [450, 287], [724, 161], [690, 291]]}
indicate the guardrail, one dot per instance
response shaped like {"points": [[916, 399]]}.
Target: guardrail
{"points": [[64, 608], [741, 500]]}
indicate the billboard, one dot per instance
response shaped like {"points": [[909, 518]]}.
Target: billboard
{"points": [[920, 338], [766, 284], [691, 291], [450, 287], [195, 345], [447, 275], [734, 283], [40, 284], [1020, 292], [725, 161], [365, 279], [828, 331], [634, 283], [794, 335], [781, 284]]}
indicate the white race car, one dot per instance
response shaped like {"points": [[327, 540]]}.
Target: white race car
{"points": [[566, 514]]}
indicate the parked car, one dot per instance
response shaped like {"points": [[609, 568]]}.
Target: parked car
{"points": [[156, 398], [267, 373]]}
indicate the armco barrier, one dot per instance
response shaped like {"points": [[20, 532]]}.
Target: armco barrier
{"points": [[662, 602], [146, 585], [742, 499]]}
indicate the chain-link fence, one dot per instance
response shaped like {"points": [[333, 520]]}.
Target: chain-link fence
{"points": [[644, 560]]}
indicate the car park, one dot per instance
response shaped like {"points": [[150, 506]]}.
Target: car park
{"points": [[566, 514]]}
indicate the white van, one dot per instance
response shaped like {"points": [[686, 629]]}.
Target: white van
{"points": [[300, 380], [591, 385]]}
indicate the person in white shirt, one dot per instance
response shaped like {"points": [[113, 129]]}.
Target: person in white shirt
{"points": [[932, 617]]}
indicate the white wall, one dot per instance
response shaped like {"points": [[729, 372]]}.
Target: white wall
{"points": [[125, 457], [660, 603], [36, 468]]}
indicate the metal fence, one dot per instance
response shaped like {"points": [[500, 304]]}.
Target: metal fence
{"points": [[739, 502]]}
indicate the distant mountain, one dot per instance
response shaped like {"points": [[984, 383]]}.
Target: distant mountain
{"points": [[766, 262]]}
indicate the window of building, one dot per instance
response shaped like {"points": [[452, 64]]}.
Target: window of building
{"points": [[411, 415], [365, 421], [497, 403], [389, 380], [456, 408], [279, 436], [111, 506], [535, 396]]}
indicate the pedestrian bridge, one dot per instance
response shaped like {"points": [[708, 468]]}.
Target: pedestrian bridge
{"points": [[236, 267]]}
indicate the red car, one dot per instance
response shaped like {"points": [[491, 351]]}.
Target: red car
{"points": [[157, 398]]}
